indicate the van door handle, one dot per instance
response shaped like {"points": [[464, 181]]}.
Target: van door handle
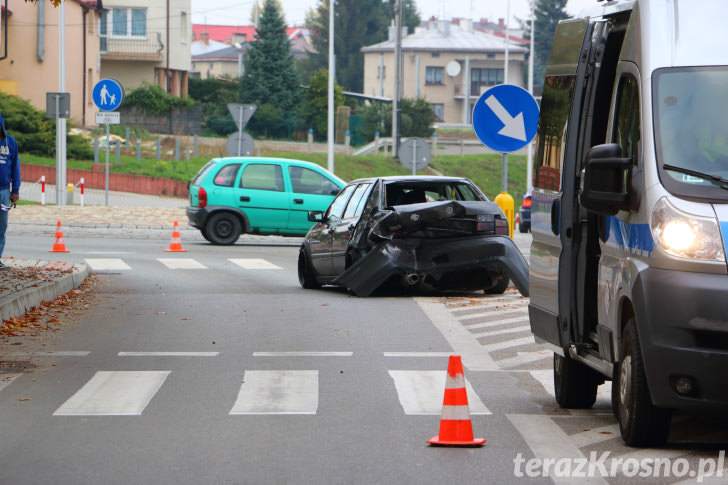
{"points": [[244, 198], [298, 201], [555, 213]]}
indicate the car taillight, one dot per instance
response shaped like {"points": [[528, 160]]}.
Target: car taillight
{"points": [[501, 227], [527, 202], [201, 198]]}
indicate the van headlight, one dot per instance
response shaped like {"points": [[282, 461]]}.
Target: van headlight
{"points": [[686, 235]]}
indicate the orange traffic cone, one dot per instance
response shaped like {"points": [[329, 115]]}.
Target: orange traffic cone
{"points": [[59, 246], [455, 426], [176, 244]]}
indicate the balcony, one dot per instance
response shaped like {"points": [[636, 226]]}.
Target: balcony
{"points": [[144, 49]]}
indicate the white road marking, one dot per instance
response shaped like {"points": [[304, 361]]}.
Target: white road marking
{"points": [[107, 264], [7, 379], [278, 392], [508, 344], [169, 354], [524, 358], [302, 354], [422, 392], [505, 331], [548, 441], [181, 263], [494, 323], [254, 263], [474, 356], [114, 393], [417, 354]]}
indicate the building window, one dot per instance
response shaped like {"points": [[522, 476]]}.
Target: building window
{"points": [[439, 110], [184, 36], [484, 77], [435, 54], [490, 56], [433, 75], [125, 22]]}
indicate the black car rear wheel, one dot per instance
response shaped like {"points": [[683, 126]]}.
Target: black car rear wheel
{"points": [[499, 288], [223, 229], [306, 273]]}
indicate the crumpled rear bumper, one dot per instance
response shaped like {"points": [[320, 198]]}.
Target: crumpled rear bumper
{"points": [[441, 259]]}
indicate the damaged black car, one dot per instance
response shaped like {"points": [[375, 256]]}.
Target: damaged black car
{"points": [[430, 233]]}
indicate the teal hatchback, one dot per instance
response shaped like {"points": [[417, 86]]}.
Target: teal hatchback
{"points": [[231, 196]]}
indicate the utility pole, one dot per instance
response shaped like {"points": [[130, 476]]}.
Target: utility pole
{"points": [[61, 122], [397, 106], [332, 74]]}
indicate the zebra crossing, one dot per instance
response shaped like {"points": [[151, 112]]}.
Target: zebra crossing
{"points": [[118, 264], [261, 392]]}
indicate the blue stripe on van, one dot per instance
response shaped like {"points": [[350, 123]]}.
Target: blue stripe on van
{"points": [[724, 233], [634, 238]]}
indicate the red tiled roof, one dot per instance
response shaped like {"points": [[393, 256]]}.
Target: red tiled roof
{"points": [[224, 33]]}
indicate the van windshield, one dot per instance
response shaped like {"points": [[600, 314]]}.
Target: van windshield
{"points": [[691, 130]]}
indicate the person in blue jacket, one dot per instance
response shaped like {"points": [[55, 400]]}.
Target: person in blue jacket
{"points": [[9, 180]]}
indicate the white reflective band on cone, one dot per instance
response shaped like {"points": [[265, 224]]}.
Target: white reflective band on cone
{"points": [[456, 413]]}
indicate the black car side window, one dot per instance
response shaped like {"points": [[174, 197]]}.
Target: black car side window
{"points": [[336, 209], [356, 205]]}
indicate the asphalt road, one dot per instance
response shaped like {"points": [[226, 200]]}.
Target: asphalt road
{"points": [[214, 366]]}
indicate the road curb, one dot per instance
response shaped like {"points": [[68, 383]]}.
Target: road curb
{"points": [[16, 304]]}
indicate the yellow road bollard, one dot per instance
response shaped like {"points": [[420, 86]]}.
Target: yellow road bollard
{"points": [[505, 202]]}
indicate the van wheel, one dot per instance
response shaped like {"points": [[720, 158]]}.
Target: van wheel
{"points": [[640, 422], [575, 384], [223, 229], [306, 274]]}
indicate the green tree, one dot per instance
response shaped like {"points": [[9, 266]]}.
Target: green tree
{"points": [[418, 119], [316, 103], [214, 94], [547, 14], [270, 76], [357, 24]]}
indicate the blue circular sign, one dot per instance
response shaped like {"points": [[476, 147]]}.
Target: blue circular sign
{"points": [[108, 94], [505, 118]]}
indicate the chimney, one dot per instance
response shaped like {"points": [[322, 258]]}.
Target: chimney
{"points": [[502, 23], [444, 26], [239, 38], [205, 38], [466, 25]]}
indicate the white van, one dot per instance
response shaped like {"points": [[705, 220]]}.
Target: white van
{"points": [[628, 276]]}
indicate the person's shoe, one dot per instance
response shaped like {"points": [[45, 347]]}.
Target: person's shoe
{"points": [[3, 265]]}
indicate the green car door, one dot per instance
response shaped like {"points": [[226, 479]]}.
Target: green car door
{"points": [[311, 190], [262, 196]]}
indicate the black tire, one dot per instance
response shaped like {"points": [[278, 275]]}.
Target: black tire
{"points": [[498, 288], [223, 229], [204, 234], [575, 384], [640, 422], [306, 273]]}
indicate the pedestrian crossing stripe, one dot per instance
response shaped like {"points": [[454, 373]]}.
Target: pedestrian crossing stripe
{"points": [[422, 392], [114, 393], [181, 263], [277, 392], [254, 263], [6, 379], [107, 264]]}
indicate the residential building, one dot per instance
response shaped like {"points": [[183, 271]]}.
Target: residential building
{"points": [[29, 55], [449, 65], [219, 50], [147, 41]]}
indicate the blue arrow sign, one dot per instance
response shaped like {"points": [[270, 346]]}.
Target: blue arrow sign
{"points": [[108, 94], [505, 118]]}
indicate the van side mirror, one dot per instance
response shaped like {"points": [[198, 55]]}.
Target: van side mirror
{"points": [[606, 180], [315, 216]]}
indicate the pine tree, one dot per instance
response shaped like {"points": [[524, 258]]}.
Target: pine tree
{"points": [[271, 81]]}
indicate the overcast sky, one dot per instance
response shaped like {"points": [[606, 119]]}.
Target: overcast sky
{"points": [[237, 12]]}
